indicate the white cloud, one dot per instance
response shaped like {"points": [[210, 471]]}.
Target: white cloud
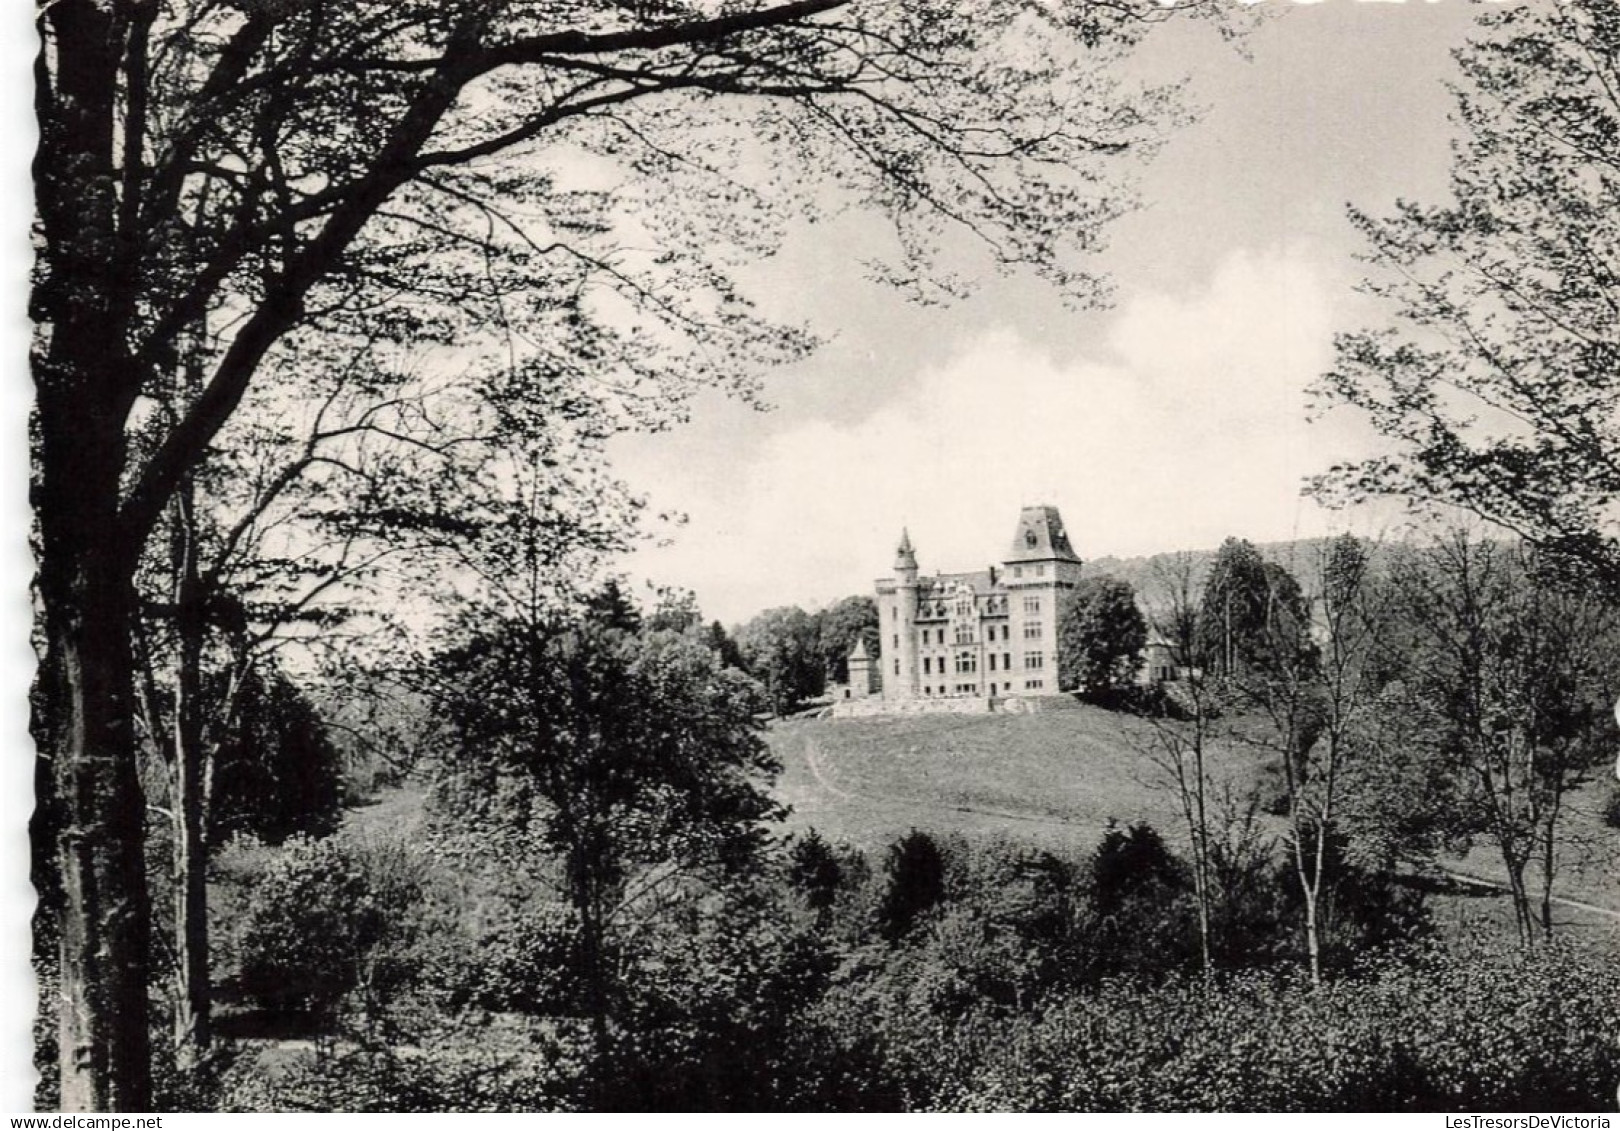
{"points": [[1186, 425]]}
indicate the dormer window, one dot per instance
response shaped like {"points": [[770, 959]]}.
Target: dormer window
{"points": [[1030, 540]]}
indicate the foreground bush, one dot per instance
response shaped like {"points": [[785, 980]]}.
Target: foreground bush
{"points": [[327, 919], [1485, 1028], [473, 1063]]}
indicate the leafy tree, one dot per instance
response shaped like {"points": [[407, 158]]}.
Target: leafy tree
{"points": [[1496, 376], [275, 180], [635, 759], [1317, 698], [720, 641], [782, 649], [676, 611], [839, 627], [1508, 678], [1249, 609], [277, 772], [1178, 747], [1101, 633]]}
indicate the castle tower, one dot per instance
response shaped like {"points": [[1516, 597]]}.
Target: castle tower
{"points": [[901, 673], [1040, 568]]}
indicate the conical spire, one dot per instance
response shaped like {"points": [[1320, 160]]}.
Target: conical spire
{"points": [[905, 557]]}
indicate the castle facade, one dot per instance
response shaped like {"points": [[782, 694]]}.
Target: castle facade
{"points": [[972, 637]]}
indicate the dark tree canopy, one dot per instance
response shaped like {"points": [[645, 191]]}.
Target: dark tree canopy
{"points": [[277, 771], [782, 649], [839, 626], [1101, 633], [1252, 616], [913, 883]]}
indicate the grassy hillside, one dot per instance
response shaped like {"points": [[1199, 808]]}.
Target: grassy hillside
{"points": [[1052, 775], [1058, 777]]}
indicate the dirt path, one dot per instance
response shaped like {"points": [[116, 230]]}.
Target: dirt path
{"points": [[1561, 901]]}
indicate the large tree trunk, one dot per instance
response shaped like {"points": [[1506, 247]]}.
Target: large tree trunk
{"points": [[87, 594], [104, 1051], [86, 388]]}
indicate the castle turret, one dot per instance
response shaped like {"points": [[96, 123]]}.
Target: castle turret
{"points": [[905, 558], [863, 672], [902, 673]]}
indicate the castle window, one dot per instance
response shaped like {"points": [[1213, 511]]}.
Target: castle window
{"points": [[1032, 630], [1006, 661], [1040, 571], [897, 641], [992, 661], [1034, 684], [966, 662], [1018, 571], [1032, 606], [1034, 660], [964, 634], [897, 666], [927, 665]]}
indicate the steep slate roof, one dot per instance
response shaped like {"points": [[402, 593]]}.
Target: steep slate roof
{"points": [[1040, 537]]}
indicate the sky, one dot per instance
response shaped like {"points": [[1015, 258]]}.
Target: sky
{"points": [[1169, 421]]}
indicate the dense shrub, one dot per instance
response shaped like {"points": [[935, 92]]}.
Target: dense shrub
{"points": [[1140, 916], [914, 881], [967, 974], [715, 1016], [1486, 1029], [814, 870], [329, 918], [468, 1063], [524, 959]]}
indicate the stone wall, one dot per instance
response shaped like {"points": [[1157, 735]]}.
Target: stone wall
{"points": [[952, 705]]}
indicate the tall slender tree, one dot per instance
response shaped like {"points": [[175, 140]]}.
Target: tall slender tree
{"points": [[1496, 373], [1508, 677]]}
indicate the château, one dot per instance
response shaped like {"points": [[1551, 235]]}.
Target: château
{"points": [[964, 640]]}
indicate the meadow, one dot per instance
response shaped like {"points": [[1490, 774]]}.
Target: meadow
{"points": [[1059, 777]]}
